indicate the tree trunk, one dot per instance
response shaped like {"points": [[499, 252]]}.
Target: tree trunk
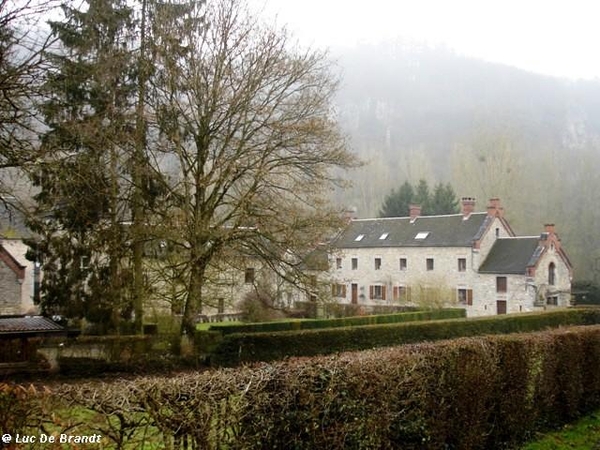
{"points": [[137, 209], [193, 305]]}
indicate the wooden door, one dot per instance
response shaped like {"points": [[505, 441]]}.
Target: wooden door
{"points": [[354, 293], [501, 306]]}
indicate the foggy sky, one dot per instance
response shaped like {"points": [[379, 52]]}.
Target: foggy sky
{"points": [[558, 38]]}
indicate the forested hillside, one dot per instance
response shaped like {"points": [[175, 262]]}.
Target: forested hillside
{"points": [[412, 112]]}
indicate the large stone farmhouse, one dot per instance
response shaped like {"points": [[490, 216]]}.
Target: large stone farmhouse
{"points": [[472, 259]]}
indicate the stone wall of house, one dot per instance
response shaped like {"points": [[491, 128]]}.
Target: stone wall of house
{"points": [[17, 248], [230, 286], [10, 291], [519, 295], [495, 230], [561, 289], [445, 275]]}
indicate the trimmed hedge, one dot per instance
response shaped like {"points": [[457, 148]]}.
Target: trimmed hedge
{"points": [[312, 324], [491, 392], [240, 348]]}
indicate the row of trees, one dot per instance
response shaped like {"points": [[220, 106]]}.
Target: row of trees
{"points": [[188, 125], [442, 200]]}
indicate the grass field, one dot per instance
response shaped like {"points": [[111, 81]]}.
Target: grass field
{"points": [[581, 435]]}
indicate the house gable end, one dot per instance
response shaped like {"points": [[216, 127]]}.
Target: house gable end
{"points": [[12, 263]]}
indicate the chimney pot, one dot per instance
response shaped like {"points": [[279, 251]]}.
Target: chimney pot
{"points": [[549, 228], [468, 205]]}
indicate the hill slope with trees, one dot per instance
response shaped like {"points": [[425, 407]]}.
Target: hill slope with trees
{"points": [[415, 112]]}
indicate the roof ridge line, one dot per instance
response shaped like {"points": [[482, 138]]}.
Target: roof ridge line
{"points": [[418, 217]]}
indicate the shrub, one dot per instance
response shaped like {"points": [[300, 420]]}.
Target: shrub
{"points": [[259, 306], [247, 347], [468, 393], [311, 324]]}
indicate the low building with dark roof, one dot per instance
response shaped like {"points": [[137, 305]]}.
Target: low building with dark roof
{"points": [[471, 258], [20, 337]]}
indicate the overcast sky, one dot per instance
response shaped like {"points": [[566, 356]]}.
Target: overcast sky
{"points": [[560, 38]]}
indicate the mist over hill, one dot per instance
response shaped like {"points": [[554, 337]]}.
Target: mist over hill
{"points": [[413, 111]]}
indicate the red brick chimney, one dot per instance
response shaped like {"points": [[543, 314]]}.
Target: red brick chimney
{"points": [[494, 209], [548, 238], [468, 206], [415, 211]]}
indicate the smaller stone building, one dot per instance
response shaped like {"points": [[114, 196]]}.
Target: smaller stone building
{"points": [[473, 259]]}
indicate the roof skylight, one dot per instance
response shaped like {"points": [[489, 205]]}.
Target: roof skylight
{"points": [[384, 236], [359, 237], [422, 235]]}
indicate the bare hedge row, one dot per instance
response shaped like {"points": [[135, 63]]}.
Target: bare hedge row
{"points": [[469, 393]]}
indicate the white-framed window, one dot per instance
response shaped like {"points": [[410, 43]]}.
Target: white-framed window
{"points": [[354, 263], [462, 264]]}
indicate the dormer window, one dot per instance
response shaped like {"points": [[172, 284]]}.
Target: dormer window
{"points": [[422, 235], [359, 237]]}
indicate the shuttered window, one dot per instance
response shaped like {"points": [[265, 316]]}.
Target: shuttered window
{"points": [[338, 290], [377, 292]]}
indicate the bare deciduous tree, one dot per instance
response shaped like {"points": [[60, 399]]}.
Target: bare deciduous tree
{"points": [[247, 119], [21, 74]]}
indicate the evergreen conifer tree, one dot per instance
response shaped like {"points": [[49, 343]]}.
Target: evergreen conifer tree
{"points": [[82, 203]]}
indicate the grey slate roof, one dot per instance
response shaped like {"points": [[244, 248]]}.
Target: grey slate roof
{"points": [[512, 255], [28, 325], [443, 231]]}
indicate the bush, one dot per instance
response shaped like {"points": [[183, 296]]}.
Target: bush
{"points": [[489, 392], [247, 347], [20, 408], [312, 324], [259, 306]]}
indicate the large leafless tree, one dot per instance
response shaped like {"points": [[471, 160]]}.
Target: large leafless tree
{"points": [[22, 66], [246, 118]]}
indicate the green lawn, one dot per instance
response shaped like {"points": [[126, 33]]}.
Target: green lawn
{"points": [[581, 435]]}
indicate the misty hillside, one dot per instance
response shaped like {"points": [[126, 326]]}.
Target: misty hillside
{"points": [[416, 112]]}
